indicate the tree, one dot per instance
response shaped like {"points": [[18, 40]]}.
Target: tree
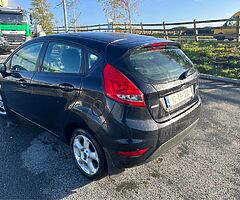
{"points": [[121, 10], [3, 3], [75, 13], [42, 15], [130, 7], [112, 10]]}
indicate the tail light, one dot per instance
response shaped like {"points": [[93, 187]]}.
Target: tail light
{"points": [[133, 153], [120, 88]]}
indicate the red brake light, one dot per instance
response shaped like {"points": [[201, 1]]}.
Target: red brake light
{"points": [[133, 153], [120, 88], [158, 44]]}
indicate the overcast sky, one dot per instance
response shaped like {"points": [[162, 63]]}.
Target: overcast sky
{"points": [[152, 11]]}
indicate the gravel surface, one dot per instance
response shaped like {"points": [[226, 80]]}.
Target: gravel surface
{"points": [[36, 165]]}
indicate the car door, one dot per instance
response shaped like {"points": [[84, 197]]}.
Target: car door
{"points": [[56, 86], [17, 84]]}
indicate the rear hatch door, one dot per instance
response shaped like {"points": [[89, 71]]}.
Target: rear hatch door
{"points": [[172, 75]]}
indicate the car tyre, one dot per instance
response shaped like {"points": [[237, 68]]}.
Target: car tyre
{"points": [[4, 111], [88, 155], [220, 37]]}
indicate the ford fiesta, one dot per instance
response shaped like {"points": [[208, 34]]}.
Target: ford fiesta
{"points": [[118, 100]]}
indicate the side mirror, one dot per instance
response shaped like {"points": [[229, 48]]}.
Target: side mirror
{"points": [[3, 68]]}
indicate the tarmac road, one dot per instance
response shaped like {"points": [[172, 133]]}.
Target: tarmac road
{"points": [[36, 165]]}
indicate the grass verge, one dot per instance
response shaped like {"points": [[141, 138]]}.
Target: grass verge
{"points": [[211, 57]]}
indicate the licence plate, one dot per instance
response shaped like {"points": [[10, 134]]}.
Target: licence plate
{"points": [[179, 97], [14, 32]]}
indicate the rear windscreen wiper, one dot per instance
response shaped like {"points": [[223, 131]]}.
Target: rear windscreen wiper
{"points": [[185, 74]]}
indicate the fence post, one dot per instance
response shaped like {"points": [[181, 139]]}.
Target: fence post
{"points": [[180, 35], [112, 27], [195, 30], [238, 29], [141, 24], [125, 27], [165, 31], [87, 27], [99, 27]]}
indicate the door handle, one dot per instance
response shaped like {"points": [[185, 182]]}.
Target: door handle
{"points": [[22, 82], [66, 87]]}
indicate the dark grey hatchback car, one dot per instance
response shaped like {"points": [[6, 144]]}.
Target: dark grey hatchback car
{"points": [[118, 100]]}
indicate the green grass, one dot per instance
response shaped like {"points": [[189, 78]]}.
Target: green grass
{"points": [[219, 59]]}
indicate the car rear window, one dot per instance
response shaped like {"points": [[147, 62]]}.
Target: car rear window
{"points": [[159, 64]]}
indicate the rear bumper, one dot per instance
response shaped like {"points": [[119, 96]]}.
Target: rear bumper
{"points": [[158, 137], [172, 142]]}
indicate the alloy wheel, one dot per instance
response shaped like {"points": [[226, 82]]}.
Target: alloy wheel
{"points": [[2, 108], [86, 155]]}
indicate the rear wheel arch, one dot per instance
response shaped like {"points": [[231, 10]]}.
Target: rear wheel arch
{"points": [[220, 36], [69, 129], [79, 120], [72, 126]]}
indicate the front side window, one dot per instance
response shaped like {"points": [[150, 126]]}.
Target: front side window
{"points": [[62, 58], [26, 58]]}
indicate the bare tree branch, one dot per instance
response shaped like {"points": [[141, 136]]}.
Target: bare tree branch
{"points": [[121, 10]]}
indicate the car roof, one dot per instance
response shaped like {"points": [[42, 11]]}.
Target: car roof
{"points": [[106, 38], [115, 44]]}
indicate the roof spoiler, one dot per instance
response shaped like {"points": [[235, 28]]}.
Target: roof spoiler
{"points": [[161, 44]]}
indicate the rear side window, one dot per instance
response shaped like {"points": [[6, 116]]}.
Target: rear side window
{"points": [[92, 60], [159, 64], [62, 58]]}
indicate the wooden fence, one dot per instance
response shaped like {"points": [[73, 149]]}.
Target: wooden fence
{"points": [[219, 29]]}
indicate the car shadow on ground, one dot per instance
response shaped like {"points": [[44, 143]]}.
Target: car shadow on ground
{"points": [[35, 163], [219, 91], [216, 85]]}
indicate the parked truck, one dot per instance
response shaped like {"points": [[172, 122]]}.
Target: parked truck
{"points": [[228, 30], [15, 28]]}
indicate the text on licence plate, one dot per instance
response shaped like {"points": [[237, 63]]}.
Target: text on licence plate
{"points": [[178, 97]]}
